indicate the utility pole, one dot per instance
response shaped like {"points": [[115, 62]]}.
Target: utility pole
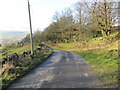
{"points": [[31, 37]]}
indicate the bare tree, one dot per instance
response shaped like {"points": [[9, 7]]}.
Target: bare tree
{"points": [[102, 15]]}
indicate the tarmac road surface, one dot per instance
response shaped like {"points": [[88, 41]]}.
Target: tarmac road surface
{"points": [[63, 69]]}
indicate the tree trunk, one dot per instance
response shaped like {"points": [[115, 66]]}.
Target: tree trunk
{"points": [[104, 33]]}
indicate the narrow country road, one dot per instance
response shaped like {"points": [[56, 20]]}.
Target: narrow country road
{"points": [[61, 70]]}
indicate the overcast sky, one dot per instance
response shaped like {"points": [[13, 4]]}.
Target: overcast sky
{"points": [[14, 13]]}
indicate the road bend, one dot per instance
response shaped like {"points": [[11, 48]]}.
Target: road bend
{"points": [[63, 69]]}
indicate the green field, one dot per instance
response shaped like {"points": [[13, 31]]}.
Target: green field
{"points": [[11, 37]]}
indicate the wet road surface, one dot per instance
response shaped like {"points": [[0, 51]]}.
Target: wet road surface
{"points": [[61, 70]]}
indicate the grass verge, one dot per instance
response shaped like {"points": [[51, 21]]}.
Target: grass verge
{"points": [[7, 79], [105, 63], [16, 49]]}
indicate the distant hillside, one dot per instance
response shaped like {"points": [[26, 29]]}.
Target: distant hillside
{"points": [[11, 32], [10, 36]]}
